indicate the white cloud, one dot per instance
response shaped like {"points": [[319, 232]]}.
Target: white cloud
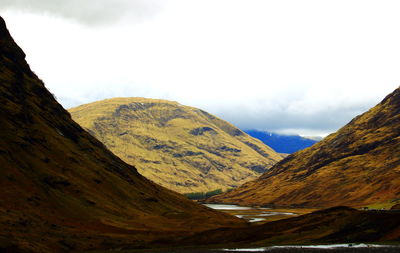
{"points": [[305, 66], [91, 12]]}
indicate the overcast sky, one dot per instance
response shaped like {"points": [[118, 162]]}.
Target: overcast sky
{"points": [[289, 66]]}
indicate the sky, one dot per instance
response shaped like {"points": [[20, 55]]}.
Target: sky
{"points": [[287, 66]]}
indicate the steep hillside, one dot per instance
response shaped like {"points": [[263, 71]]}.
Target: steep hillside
{"points": [[356, 166], [286, 144], [182, 148], [62, 190]]}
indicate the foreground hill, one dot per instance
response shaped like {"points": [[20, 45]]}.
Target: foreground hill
{"points": [[329, 226], [338, 225], [62, 190], [180, 147], [286, 144], [356, 166]]}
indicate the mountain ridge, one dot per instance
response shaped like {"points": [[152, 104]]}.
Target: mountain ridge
{"points": [[286, 144], [356, 166]]}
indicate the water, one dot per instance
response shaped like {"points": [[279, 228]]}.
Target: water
{"points": [[228, 207], [307, 247], [333, 248], [251, 214]]}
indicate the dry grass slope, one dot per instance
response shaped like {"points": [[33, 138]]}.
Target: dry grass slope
{"points": [[62, 190], [356, 166], [180, 147]]}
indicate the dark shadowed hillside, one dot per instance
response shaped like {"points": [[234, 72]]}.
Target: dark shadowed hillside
{"points": [[358, 165], [329, 226], [62, 190]]}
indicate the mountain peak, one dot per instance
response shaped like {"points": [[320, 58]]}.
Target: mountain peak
{"points": [[4, 33], [10, 50], [393, 101]]}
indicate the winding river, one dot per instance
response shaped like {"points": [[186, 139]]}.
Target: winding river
{"points": [[255, 214]]}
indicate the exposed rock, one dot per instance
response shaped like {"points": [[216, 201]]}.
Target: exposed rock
{"points": [[202, 130]]}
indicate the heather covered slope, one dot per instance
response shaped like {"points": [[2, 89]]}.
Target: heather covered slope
{"points": [[356, 166], [62, 190], [180, 147]]}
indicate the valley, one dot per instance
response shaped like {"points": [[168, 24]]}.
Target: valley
{"points": [[116, 175]]}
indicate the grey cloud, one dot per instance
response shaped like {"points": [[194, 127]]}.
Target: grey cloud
{"points": [[324, 121], [90, 12], [278, 119]]}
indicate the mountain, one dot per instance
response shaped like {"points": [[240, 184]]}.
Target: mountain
{"points": [[286, 144], [356, 166], [180, 147], [62, 190]]}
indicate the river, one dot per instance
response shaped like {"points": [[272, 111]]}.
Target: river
{"points": [[334, 248], [257, 214]]}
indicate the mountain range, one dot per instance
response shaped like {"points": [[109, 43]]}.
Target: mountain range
{"points": [[286, 144], [180, 147]]}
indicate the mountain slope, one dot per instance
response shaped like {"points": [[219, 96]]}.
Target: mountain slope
{"points": [[62, 190], [357, 165], [286, 144], [180, 147]]}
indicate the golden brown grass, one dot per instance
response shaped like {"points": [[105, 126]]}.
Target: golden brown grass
{"points": [[180, 147]]}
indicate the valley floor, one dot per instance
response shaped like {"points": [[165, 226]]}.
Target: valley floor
{"points": [[318, 232]]}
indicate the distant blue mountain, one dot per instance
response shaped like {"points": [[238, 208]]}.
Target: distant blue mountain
{"points": [[282, 143]]}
